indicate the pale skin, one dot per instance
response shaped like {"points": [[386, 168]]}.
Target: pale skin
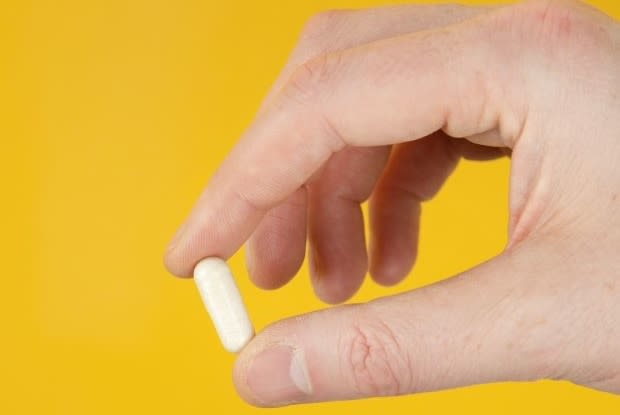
{"points": [[379, 105]]}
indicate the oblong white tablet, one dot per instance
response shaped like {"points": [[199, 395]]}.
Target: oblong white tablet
{"points": [[223, 303]]}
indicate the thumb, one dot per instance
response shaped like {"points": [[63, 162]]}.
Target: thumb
{"points": [[466, 330]]}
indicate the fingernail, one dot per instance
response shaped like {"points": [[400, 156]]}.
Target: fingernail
{"points": [[278, 375]]}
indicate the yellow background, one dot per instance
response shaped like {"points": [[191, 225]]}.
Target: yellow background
{"points": [[113, 114]]}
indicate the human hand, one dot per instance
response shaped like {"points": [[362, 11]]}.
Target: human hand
{"points": [[382, 104]]}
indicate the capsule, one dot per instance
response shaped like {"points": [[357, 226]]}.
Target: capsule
{"points": [[223, 302]]}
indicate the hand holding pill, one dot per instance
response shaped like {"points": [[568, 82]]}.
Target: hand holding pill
{"points": [[380, 105]]}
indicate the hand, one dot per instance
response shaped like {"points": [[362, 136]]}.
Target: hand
{"points": [[382, 104]]}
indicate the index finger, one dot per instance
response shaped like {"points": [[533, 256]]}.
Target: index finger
{"points": [[386, 92]]}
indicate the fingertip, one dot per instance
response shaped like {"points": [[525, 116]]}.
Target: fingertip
{"points": [[332, 294], [174, 265], [390, 272], [393, 247], [178, 258], [270, 270], [338, 259], [336, 285], [276, 249], [240, 379]]}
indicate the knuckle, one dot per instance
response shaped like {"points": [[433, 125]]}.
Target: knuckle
{"points": [[310, 78], [320, 34], [321, 25], [544, 37], [558, 24], [374, 360]]}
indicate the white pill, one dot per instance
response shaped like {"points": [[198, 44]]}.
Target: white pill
{"points": [[223, 303]]}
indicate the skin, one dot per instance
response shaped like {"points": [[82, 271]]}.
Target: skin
{"points": [[380, 105]]}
